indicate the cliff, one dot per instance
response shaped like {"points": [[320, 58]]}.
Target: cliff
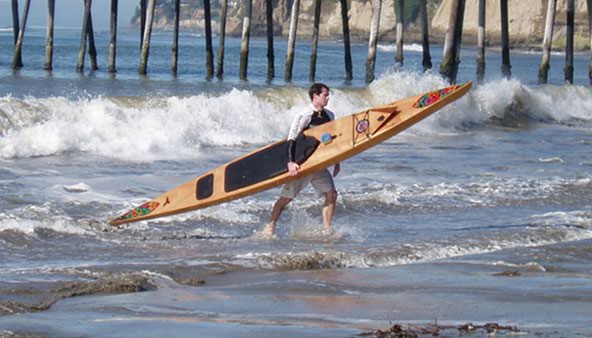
{"points": [[526, 21]]}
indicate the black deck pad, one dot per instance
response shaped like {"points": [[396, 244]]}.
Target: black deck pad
{"points": [[267, 163], [205, 187]]}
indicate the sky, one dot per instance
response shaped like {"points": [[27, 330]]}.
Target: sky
{"points": [[68, 13]]}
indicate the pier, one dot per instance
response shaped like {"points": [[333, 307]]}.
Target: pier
{"points": [[448, 67]]}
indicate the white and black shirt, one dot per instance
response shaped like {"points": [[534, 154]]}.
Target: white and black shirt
{"points": [[303, 122]]}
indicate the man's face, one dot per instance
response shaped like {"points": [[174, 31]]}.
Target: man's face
{"points": [[322, 99]]}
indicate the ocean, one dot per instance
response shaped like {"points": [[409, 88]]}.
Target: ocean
{"points": [[481, 213]]}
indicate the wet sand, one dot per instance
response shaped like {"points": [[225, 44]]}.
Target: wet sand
{"points": [[220, 301]]}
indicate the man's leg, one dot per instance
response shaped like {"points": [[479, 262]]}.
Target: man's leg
{"points": [[329, 208], [278, 207], [323, 184], [289, 192]]}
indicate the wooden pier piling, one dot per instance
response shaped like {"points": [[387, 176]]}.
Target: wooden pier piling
{"points": [[373, 40], [506, 67], [459, 32], [49, 37], [175, 48], [426, 61], [18, 48], [84, 36], [209, 48], [142, 21], [220, 57], [92, 49], [399, 32], [292, 40], [15, 20], [448, 67], [244, 53], [346, 41], [450, 60], [569, 42], [270, 53], [113, 37], [547, 41], [481, 42], [315, 41], [142, 69]]}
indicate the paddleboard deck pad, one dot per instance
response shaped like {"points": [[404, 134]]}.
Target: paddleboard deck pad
{"points": [[316, 149]]}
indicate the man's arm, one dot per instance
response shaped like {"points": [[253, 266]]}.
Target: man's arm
{"points": [[293, 168], [297, 126]]}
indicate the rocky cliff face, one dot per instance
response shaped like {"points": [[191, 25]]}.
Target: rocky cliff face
{"points": [[527, 19], [331, 27]]}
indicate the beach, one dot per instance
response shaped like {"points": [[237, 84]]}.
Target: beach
{"points": [[338, 302], [480, 214]]}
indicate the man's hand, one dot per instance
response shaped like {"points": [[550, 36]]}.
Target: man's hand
{"points": [[293, 168], [336, 169]]}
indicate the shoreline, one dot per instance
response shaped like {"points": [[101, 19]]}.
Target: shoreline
{"points": [[396, 330], [452, 297]]}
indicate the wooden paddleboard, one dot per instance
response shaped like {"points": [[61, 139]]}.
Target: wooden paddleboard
{"points": [[316, 149]]}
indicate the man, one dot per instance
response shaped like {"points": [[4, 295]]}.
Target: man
{"points": [[321, 181]]}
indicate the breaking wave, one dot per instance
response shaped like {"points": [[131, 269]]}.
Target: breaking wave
{"points": [[145, 129], [402, 254]]}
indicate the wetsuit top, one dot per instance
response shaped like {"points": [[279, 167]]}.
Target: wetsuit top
{"points": [[305, 121]]}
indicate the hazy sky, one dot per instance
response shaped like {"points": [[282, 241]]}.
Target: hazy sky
{"points": [[68, 13]]}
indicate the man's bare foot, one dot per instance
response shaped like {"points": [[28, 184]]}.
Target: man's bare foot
{"points": [[331, 233], [327, 231], [268, 232]]}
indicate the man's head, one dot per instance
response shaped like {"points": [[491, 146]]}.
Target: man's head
{"points": [[319, 95]]}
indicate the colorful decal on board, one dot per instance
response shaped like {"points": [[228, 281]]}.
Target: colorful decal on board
{"points": [[434, 96], [326, 138], [142, 210], [362, 126]]}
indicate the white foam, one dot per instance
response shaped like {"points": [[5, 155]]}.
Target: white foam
{"points": [[77, 188], [237, 212], [489, 191], [411, 253], [136, 129], [166, 128], [432, 252], [551, 160], [395, 85], [530, 265], [414, 47], [29, 227], [578, 218]]}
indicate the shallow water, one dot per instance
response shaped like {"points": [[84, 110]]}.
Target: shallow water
{"points": [[430, 225]]}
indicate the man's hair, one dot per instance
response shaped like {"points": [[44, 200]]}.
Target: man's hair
{"points": [[317, 89]]}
